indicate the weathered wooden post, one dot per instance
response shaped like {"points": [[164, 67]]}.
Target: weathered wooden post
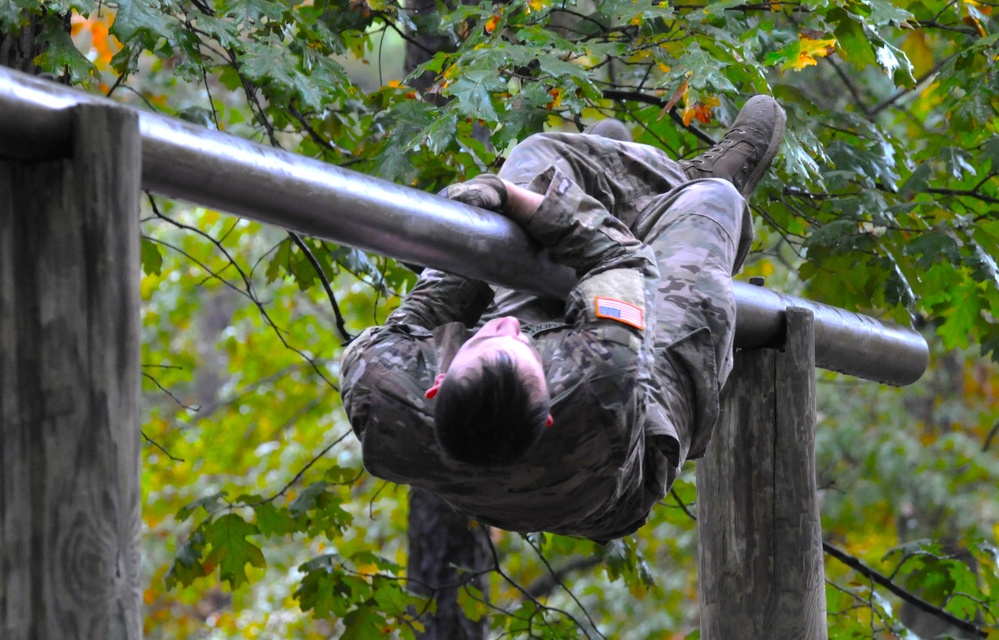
{"points": [[758, 522], [69, 384]]}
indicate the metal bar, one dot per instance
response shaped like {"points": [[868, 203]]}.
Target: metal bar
{"points": [[186, 162]]}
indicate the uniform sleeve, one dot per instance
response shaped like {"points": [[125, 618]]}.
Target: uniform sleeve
{"points": [[439, 298], [617, 273]]}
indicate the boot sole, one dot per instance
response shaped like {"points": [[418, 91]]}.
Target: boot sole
{"points": [[780, 125]]}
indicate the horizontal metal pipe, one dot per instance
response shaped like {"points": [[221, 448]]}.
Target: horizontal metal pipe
{"points": [[191, 163]]}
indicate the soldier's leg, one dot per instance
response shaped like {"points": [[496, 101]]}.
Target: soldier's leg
{"points": [[696, 240], [623, 176]]}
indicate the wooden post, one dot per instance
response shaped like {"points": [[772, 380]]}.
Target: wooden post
{"points": [[761, 571], [69, 386]]}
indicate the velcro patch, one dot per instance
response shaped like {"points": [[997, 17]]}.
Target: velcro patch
{"points": [[621, 311]]}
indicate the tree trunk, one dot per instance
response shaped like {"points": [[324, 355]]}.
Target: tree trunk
{"points": [[19, 50], [439, 538]]}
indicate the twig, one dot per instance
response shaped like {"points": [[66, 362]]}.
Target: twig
{"points": [[875, 577], [546, 583], [683, 506], [341, 324], [160, 447], [557, 580], [988, 439], [635, 96], [168, 392], [301, 472], [516, 585]]}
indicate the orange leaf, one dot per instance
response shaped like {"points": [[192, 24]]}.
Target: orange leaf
{"points": [[491, 23], [809, 49], [556, 95], [77, 23]]}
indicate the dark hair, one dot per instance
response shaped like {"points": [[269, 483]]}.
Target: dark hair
{"points": [[491, 419]]}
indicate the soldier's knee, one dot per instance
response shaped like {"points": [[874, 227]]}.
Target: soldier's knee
{"points": [[719, 200], [532, 156], [538, 144]]}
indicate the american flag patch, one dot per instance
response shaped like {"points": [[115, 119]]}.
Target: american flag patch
{"points": [[620, 311]]}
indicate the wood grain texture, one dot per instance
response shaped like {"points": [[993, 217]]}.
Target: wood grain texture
{"points": [[760, 540], [69, 387]]}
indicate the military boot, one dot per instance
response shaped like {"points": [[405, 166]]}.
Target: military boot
{"points": [[748, 148], [609, 128]]}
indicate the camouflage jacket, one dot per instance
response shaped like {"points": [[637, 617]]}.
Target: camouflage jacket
{"points": [[587, 475]]}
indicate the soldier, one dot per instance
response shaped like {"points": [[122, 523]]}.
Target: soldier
{"points": [[571, 417]]}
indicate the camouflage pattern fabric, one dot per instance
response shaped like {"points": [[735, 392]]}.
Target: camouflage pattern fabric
{"points": [[629, 404]]}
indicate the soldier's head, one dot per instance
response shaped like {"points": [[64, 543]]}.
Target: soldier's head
{"points": [[492, 403]]}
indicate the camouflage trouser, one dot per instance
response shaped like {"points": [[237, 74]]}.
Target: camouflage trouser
{"points": [[700, 232]]}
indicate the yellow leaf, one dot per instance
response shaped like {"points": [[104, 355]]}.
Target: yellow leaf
{"points": [[809, 49], [918, 52]]}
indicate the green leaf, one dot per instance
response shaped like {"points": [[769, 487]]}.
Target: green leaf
{"points": [[933, 247], [472, 603], [308, 498], [321, 591], [391, 598], [139, 16], [187, 565], [320, 509], [210, 504], [60, 54], [231, 551], [152, 259], [364, 623], [273, 521], [248, 12], [472, 91], [852, 38], [280, 73], [14, 14]]}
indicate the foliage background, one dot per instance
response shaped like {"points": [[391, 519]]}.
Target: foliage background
{"points": [[259, 521]]}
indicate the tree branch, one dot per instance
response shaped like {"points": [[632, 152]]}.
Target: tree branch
{"points": [[911, 598], [544, 585], [516, 585], [169, 393], [637, 96], [341, 324], [160, 447], [301, 472]]}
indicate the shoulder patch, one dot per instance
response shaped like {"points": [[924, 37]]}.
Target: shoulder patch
{"points": [[621, 311]]}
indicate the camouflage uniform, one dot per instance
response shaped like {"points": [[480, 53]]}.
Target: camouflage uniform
{"points": [[631, 400]]}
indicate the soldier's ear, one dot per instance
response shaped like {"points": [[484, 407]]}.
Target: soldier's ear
{"points": [[431, 393], [550, 421]]}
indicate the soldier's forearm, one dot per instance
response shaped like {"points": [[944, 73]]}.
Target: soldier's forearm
{"points": [[521, 203]]}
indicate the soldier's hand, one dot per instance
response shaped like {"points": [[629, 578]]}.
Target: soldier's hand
{"points": [[486, 191]]}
